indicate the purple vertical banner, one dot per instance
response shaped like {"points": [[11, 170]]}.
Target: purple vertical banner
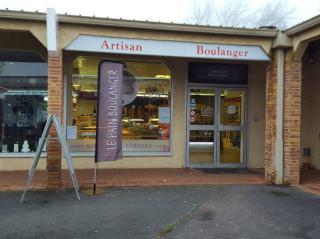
{"points": [[109, 112]]}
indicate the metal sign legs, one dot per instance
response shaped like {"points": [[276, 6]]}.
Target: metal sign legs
{"points": [[52, 119]]}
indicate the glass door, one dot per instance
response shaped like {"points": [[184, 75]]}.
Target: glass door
{"points": [[231, 127], [201, 118], [216, 133]]}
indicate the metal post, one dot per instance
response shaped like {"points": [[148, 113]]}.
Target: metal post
{"points": [[37, 156], [95, 178]]}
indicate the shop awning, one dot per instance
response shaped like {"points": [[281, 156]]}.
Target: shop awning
{"points": [[88, 43]]}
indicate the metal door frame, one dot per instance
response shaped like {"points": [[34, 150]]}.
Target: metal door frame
{"points": [[217, 127], [189, 127]]}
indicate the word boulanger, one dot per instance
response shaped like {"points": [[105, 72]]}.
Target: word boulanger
{"points": [[201, 50]]}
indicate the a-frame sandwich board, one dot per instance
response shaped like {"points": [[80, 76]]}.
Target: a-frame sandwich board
{"points": [[57, 123]]}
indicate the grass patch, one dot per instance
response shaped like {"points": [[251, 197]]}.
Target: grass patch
{"points": [[170, 227], [166, 230]]}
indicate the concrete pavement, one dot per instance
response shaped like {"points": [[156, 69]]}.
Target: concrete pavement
{"points": [[230, 211]]}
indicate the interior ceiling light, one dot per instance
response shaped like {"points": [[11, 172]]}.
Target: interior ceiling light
{"points": [[203, 94], [163, 76]]}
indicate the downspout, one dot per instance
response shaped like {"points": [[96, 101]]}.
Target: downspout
{"points": [[279, 117]]}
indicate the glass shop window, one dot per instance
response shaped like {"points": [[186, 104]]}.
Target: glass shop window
{"points": [[146, 109], [23, 105]]}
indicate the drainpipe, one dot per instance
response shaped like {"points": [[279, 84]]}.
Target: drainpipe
{"points": [[279, 119]]}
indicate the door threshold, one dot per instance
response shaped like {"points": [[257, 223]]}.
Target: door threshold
{"points": [[226, 170]]}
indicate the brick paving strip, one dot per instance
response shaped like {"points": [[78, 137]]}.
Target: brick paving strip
{"points": [[14, 180], [310, 181]]}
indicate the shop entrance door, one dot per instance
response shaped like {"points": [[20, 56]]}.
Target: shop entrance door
{"points": [[201, 121], [216, 132]]}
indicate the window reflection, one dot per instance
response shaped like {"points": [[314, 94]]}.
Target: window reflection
{"points": [[23, 105], [202, 106], [232, 102], [146, 106]]}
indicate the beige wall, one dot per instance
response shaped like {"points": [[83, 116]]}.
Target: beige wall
{"points": [[302, 39], [256, 115], [36, 24], [310, 121], [20, 163], [68, 32], [306, 108], [36, 28]]}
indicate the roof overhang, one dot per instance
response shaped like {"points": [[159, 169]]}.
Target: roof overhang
{"points": [[147, 25], [304, 26]]}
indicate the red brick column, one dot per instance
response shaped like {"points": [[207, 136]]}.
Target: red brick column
{"points": [[291, 124], [270, 130], [292, 119], [55, 106]]}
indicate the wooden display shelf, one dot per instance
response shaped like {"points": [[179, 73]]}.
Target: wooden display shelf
{"points": [[86, 126]]}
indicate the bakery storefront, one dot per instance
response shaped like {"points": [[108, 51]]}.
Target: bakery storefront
{"points": [[185, 104], [193, 96]]}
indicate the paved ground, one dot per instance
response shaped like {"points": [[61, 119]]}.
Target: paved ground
{"points": [[233, 211], [15, 180]]}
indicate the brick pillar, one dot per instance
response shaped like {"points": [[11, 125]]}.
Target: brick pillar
{"points": [[55, 106], [292, 119], [270, 130]]}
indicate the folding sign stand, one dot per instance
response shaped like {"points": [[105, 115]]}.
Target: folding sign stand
{"points": [[57, 124]]}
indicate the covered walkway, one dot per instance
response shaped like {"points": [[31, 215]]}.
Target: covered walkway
{"points": [[310, 180], [14, 180]]}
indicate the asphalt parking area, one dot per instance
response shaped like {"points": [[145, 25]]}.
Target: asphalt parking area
{"points": [[233, 211]]}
